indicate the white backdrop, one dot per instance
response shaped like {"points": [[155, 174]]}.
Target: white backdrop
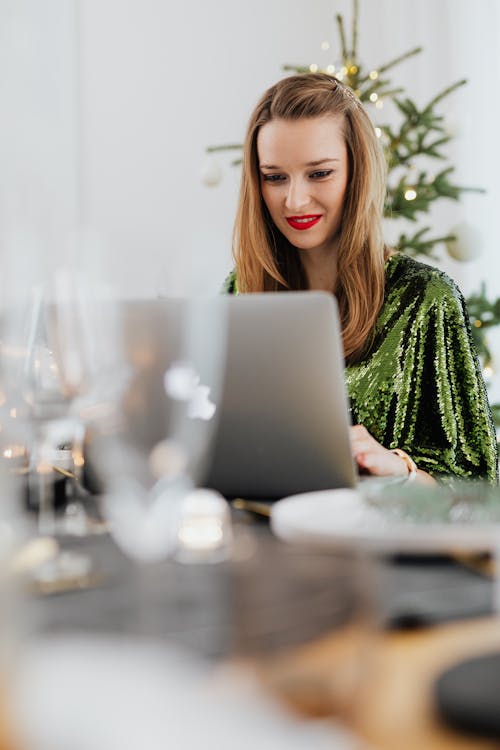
{"points": [[107, 106]]}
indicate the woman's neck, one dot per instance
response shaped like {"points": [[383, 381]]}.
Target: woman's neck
{"points": [[320, 269]]}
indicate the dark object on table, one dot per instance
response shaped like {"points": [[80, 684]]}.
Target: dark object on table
{"points": [[423, 591], [468, 695], [60, 497]]}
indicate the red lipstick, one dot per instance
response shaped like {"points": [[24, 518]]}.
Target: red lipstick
{"points": [[303, 222]]}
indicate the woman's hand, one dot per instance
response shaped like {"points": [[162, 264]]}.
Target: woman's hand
{"points": [[373, 458]]}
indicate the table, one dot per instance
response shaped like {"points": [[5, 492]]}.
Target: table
{"points": [[394, 701]]}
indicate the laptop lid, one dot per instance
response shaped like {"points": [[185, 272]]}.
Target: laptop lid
{"points": [[283, 423]]}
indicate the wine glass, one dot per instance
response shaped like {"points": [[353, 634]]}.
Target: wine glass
{"points": [[57, 351], [153, 456], [84, 338]]}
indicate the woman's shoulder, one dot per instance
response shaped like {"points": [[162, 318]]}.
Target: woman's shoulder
{"points": [[407, 275]]}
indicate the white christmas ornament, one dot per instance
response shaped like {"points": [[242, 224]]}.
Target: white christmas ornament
{"points": [[468, 244], [211, 172]]}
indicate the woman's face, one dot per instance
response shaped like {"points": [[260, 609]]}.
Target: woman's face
{"points": [[304, 170]]}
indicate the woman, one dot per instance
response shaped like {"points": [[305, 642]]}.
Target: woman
{"points": [[309, 217]]}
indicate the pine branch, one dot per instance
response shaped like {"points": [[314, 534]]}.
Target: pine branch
{"points": [[400, 59], [224, 147], [296, 68], [425, 192], [446, 92], [415, 244], [355, 30], [389, 93], [340, 26]]}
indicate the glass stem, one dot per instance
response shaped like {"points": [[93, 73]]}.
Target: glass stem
{"points": [[42, 487]]}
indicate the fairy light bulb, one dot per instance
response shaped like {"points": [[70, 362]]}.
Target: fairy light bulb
{"points": [[488, 371], [410, 194], [373, 75], [378, 132], [330, 69], [373, 97], [313, 68]]}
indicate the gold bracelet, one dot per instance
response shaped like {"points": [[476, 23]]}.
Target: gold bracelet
{"points": [[410, 463]]}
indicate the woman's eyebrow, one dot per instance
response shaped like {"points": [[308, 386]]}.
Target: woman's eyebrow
{"points": [[314, 163], [317, 162]]}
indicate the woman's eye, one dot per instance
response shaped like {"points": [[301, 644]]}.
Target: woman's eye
{"points": [[273, 177], [320, 174]]}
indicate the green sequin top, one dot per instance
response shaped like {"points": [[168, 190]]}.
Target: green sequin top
{"points": [[420, 387]]}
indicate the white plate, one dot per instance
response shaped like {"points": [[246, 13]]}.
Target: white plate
{"points": [[344, 516]]}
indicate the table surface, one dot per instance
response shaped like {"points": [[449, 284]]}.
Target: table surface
{"points": [[394, 709]]}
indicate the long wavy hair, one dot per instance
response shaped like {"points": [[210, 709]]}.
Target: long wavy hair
{"points": [[266, 261]]}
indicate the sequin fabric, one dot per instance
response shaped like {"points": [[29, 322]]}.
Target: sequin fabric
{"points": [[420, 386]]}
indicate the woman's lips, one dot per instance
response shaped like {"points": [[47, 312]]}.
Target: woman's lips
{"points": [[303, 222]]}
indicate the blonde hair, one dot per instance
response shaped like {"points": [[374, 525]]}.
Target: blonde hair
{"points": [[266, 261]]}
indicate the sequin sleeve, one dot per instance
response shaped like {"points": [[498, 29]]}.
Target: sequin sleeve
{"points": [[230, 285], [420, 387]]}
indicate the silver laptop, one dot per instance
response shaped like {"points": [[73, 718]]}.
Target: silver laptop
{"points": [[273, 417]]}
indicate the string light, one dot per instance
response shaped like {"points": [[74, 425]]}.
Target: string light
{"points": [[378, 132], [313, 68], [478, 324], [410, 194], [325, 46], [488, 371], [374, 75], [373, 97], [330, 69]]}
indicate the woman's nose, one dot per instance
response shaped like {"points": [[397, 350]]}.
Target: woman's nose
{"points": [[297, 197]]}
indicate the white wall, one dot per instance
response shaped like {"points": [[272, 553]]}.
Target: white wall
{"points": [[160, 83], [39, 151], [124, 96]]}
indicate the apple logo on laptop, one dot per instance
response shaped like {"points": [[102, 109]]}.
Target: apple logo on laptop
{"points": [[182, 383]]}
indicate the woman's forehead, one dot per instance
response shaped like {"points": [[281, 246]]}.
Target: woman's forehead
{"points": [[307, 140]]}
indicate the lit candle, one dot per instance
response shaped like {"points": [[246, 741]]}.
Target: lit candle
{"points": [[204, 528]]}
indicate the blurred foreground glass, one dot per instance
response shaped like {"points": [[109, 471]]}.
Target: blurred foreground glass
{"points": [[306, 619], [58, 361], [153, 455]]}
